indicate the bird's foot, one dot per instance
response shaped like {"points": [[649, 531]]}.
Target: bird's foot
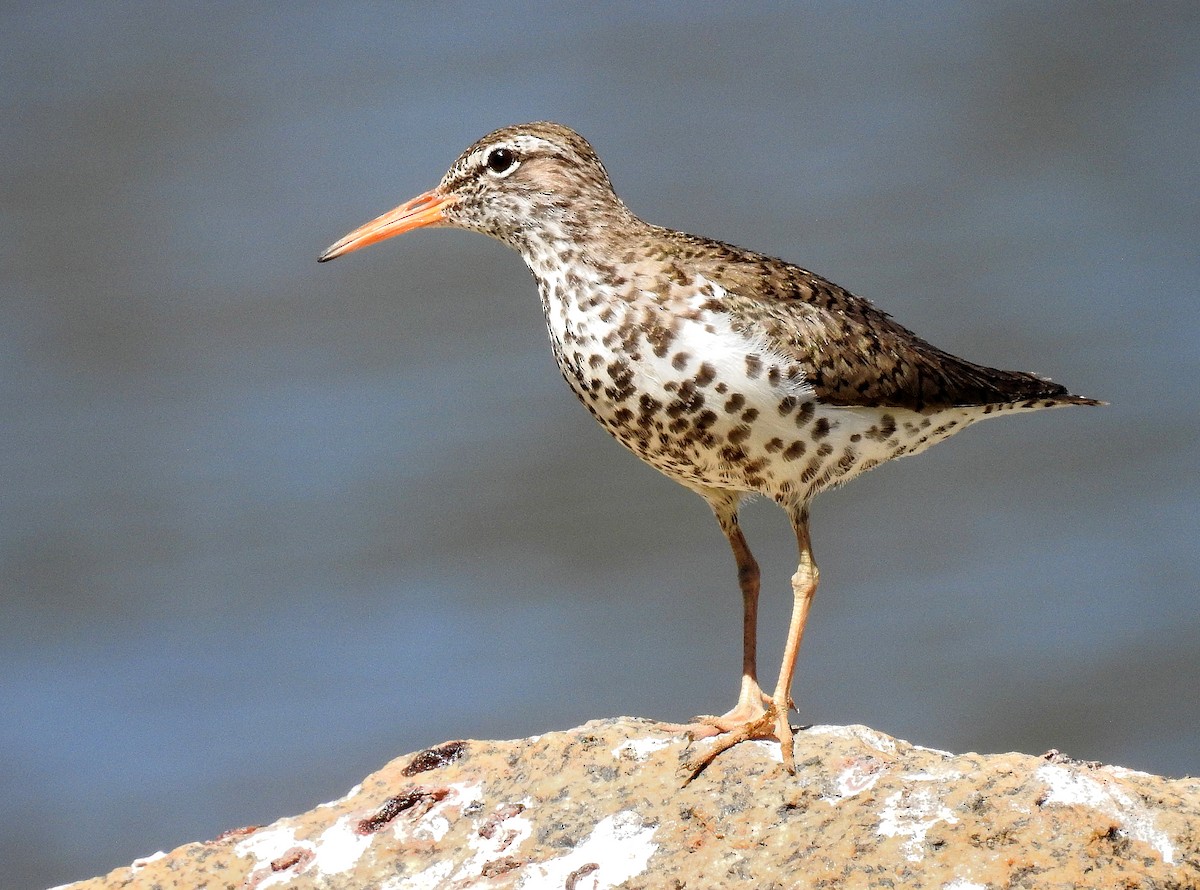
{"points": [[751, 706], [745, 713], [742, 724]]}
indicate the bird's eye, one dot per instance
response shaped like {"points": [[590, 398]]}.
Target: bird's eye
{"points": [[501, 161]]}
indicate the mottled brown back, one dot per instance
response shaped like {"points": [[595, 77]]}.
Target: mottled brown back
{"points": [[853, 353]]}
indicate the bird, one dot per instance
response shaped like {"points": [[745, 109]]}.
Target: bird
{"points": [[732, 372]]}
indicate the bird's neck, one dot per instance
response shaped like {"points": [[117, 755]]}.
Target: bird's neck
{"points": [[573, 250]]}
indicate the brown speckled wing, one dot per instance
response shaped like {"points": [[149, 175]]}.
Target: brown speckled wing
{"points": [[853, 353]]}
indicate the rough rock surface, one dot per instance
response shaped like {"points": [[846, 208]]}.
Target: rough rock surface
{"points": [[606, 805]]}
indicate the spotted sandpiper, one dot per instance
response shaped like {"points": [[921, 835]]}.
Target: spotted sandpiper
{"points": [[732, 372]]}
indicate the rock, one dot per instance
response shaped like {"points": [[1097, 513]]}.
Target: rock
{"points": [[608, 805]]}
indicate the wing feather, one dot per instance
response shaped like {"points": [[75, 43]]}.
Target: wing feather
{"points": [[853, 353]]}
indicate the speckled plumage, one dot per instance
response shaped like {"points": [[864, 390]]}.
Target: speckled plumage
{"points": [[730, 371]]}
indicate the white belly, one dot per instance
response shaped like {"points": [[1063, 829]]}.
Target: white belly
{"points": [[715, 408]]}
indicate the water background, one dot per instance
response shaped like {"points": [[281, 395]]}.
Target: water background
{"points": [[267, 524]]}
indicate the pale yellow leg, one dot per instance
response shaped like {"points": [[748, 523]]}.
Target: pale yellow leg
{"points": [[756, 716], [750, 696], [804, 588]]}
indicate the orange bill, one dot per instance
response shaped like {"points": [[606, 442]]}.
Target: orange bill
{"points": [[423, 210]]}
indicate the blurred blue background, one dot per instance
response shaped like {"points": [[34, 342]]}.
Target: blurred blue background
{"points": [[267, 524]]}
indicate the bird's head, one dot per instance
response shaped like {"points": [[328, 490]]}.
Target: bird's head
{"points": [[530, 186]]}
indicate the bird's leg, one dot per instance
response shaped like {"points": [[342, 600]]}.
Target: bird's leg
{"points": [[753, 715], [750, 698], [804, 588], [773, 719], [751, 702]]}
